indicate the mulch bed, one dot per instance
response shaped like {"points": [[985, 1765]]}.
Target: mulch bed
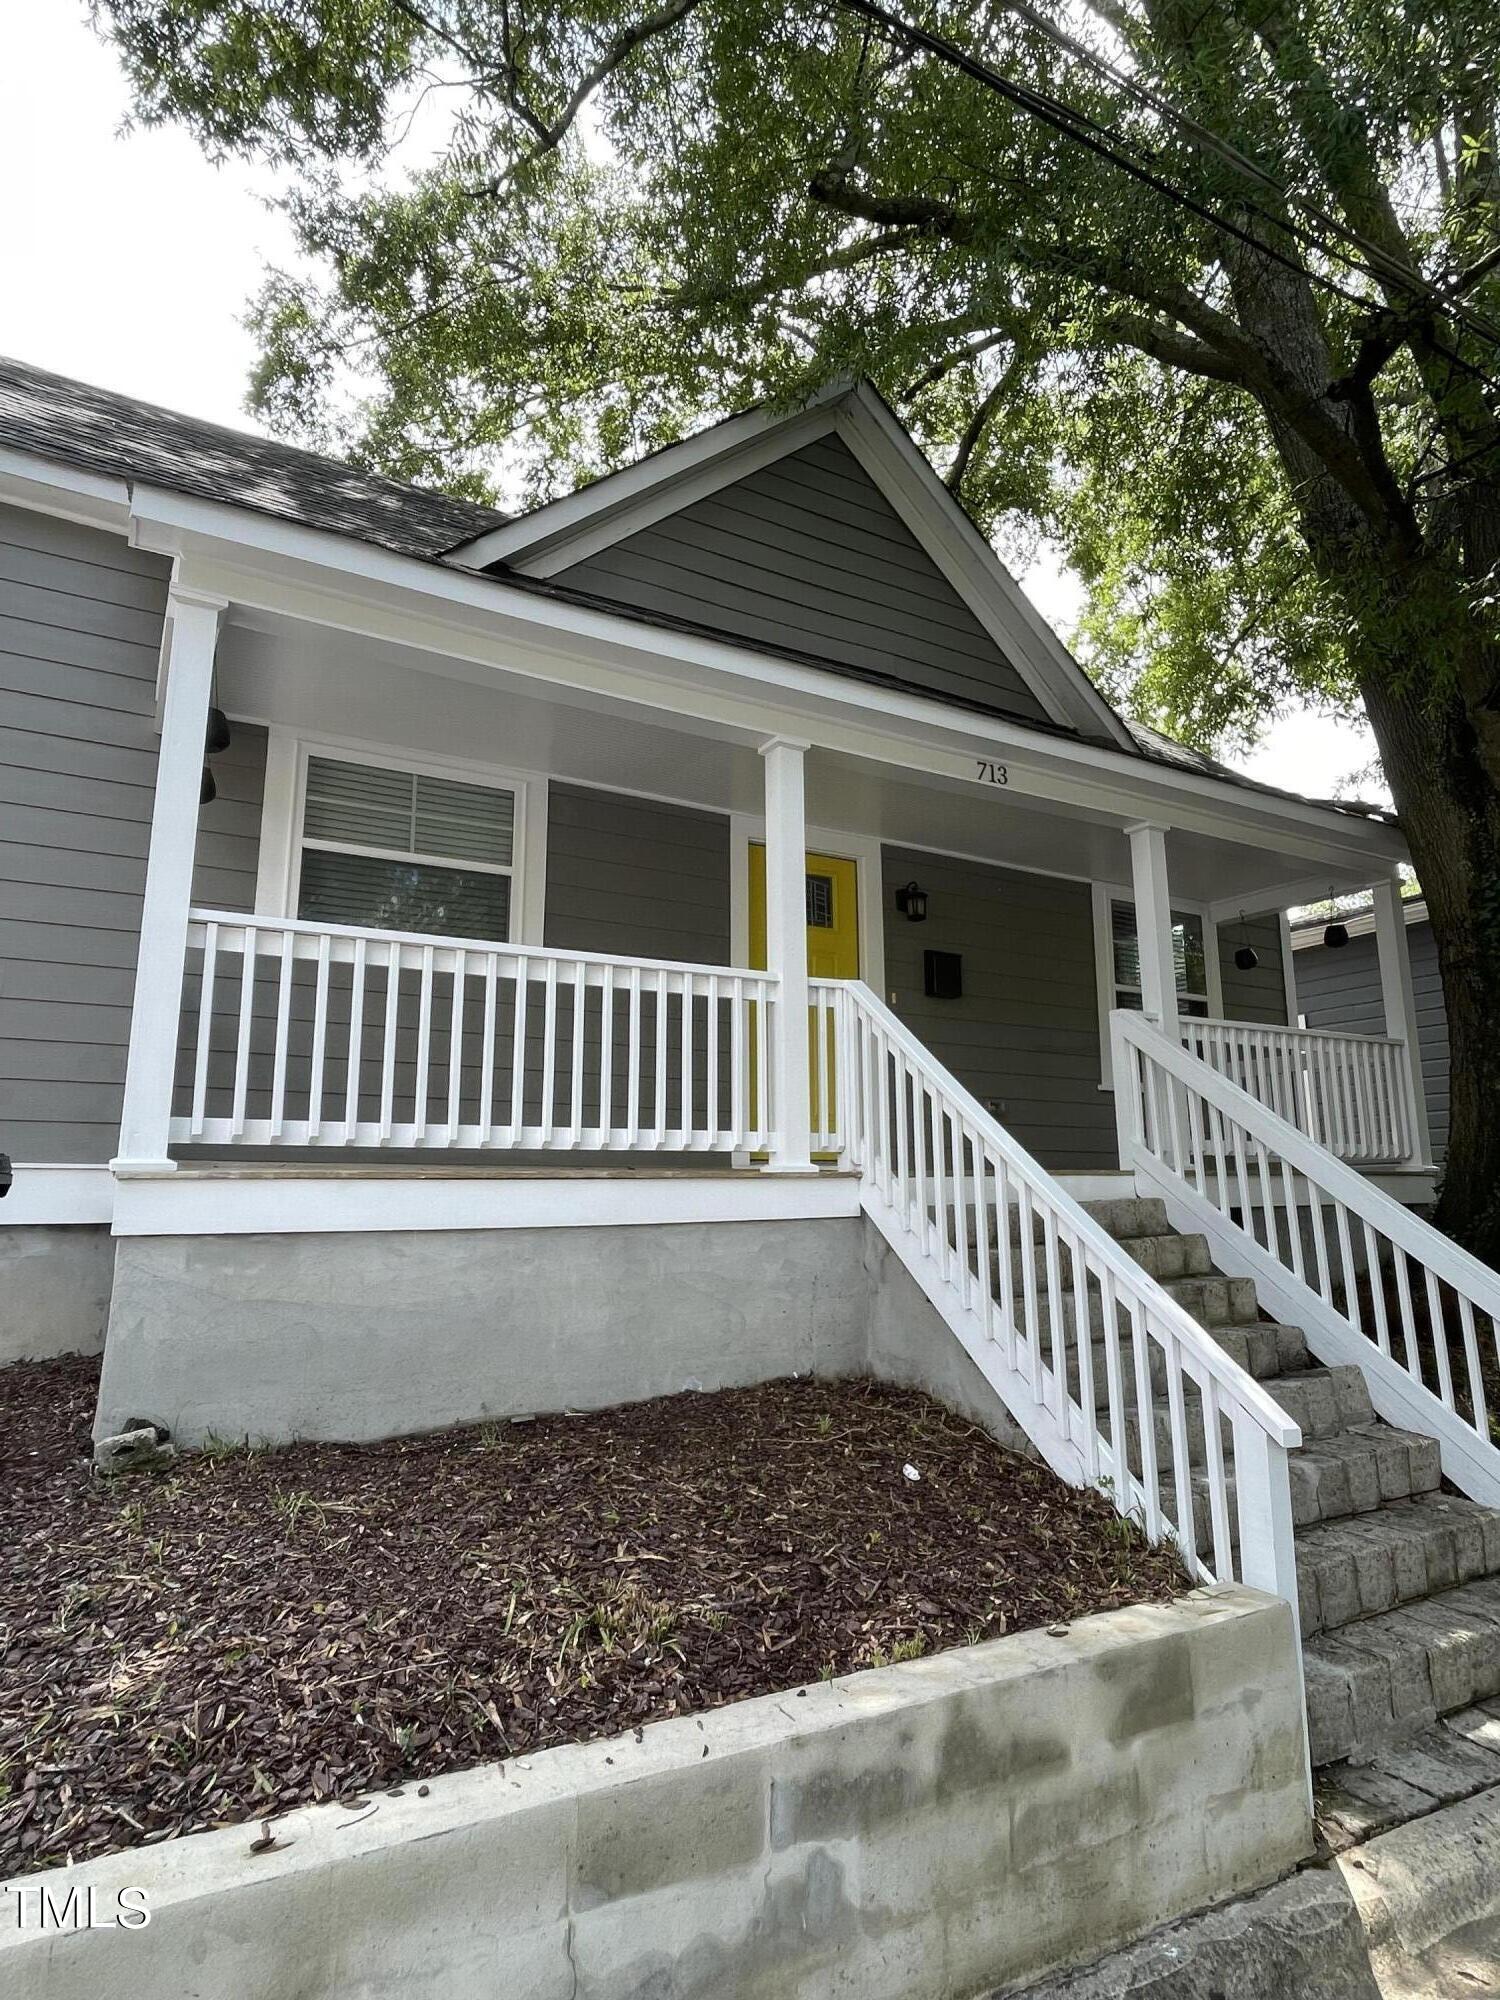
{"points": [[256, 1630]]}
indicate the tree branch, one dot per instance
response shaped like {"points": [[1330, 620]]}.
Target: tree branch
{"points": [[550, 134]]}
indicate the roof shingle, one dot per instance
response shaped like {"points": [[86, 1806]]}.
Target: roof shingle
{"points": [[118, 437]]}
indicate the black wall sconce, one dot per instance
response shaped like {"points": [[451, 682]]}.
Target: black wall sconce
{"points": [[911, 901]]}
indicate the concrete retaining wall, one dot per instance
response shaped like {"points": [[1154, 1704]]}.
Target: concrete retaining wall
{"points": [[925, 1832], [54, 1290]]}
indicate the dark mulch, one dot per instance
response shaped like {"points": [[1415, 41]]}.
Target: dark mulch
{"points": [[256, 1630]]}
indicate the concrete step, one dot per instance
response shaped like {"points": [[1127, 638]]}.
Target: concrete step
{"points": [[1356, 1471], [1402, 1553], [1384, 1679]]}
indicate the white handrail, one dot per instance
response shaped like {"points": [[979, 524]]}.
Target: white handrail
{"points": [[1046, 1300], [299, 1034], [1369, 1281], [1349, 1093]]}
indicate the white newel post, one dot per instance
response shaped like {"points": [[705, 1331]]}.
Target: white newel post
{"points": [[152, 1061], [786, 954], [1401, 1006]]}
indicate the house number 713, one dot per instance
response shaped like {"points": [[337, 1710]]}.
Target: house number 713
{"points": [[991, 773]]}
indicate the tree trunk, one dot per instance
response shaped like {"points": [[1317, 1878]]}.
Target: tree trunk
{"points": [[1443, 777]]}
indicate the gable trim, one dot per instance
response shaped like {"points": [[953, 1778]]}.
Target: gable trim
{"points": [[621, 504], [877, 438]]}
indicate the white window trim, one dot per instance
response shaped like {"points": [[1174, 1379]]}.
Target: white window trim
{"points": [[278, 877], [1105, 893]]}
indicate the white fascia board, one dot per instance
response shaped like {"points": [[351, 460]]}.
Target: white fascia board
{"points": [[568, 530], [902, 472], [46, 487], [276, 566], [276, 1201], [49, 1194]]}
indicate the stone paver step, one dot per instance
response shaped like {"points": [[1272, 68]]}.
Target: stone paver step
{"points": [[1356, 1471], [1324, 1400], [1215, 1301], [1401, 1553], [1263, 1350], [1131, 1216], [1383, 1680]]}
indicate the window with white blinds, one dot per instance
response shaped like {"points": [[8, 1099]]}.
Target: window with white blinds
{"points": [[397, 850], [1189, 959]]}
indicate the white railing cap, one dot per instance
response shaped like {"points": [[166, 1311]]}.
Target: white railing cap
{"points": [[1277, 1030], [240, 920]]}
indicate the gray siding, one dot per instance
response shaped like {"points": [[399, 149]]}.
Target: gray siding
{"points": [[809, 555], [1341, 989], [1259, 995], [229, 827], [636, 877], [80, 634], [1025, 1035]]}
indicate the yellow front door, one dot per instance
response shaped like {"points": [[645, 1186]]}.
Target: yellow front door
{"points": [[832, 945]]}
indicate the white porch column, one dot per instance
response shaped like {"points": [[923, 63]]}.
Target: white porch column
{"points": [[1153, 924], [1401, 1005], [786, 952], [193, 623]]}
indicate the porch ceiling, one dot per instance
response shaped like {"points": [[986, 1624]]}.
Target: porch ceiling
{"points": [[373, 691]]}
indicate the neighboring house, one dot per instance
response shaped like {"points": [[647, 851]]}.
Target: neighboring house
{"points": [[1340, 988]]}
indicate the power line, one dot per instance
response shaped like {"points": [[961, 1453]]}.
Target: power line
{"points": [[1379, 264], [1104, 141]]}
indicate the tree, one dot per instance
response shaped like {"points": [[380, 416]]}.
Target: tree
{"points": [[1205, 289]]}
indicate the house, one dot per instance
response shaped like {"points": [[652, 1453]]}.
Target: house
{"points": [[1340, 989], [703, 928]]}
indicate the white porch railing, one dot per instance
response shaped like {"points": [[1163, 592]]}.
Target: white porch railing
{"points": [[296, 1034], [1350, 1093], [1368, 1281], [1112, 1380]]}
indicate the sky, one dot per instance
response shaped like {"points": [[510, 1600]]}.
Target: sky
{"points": [[128, 260]]}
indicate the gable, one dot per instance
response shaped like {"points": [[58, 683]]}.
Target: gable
{"points": [[806, 553]]}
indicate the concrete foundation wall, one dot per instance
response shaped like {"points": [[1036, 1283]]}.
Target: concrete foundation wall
{"points": [[54, 1290], [364, 1336], [924, 1832], [908, 1343]]}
